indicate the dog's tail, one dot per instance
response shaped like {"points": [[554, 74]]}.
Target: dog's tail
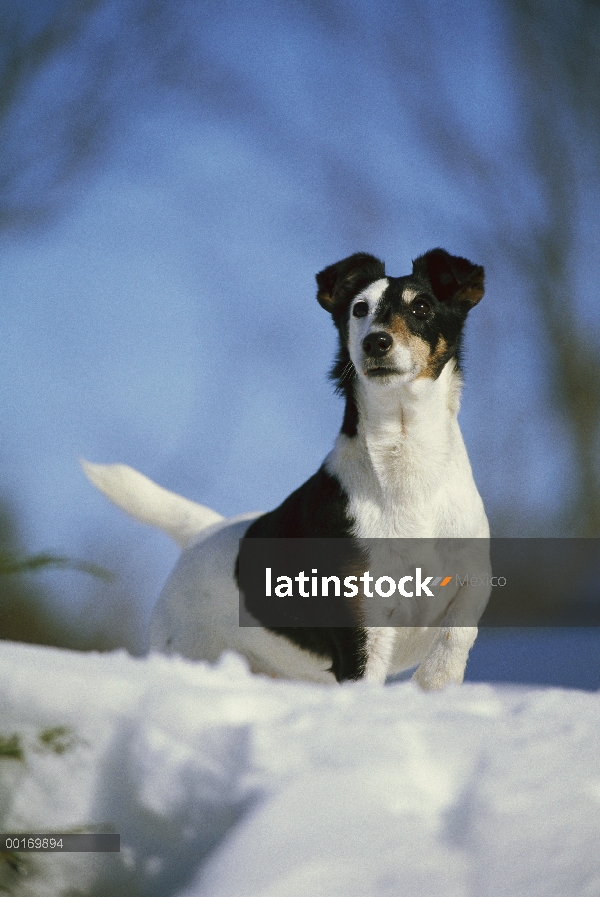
{"points": [[143, 499]]}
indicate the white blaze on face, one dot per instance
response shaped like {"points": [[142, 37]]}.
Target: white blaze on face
{"points": [[359, 327], [371, 295]]}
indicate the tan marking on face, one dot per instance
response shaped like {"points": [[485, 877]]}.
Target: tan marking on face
{"points": [[427, 362], [419, 349], [435, 359]]}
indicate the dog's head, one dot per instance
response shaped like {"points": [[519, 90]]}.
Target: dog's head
{"points": [[395, 330]]}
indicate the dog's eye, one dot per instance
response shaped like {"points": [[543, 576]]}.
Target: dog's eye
{"points": [[361, 310], [421, 308]]}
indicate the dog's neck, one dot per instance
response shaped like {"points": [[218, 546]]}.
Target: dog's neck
{"points": [[409, 427], [408, 443]]}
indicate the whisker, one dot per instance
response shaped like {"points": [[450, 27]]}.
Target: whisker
{"points": [[348, 371]]}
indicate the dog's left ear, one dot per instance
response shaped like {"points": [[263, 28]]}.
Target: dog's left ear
{"points": [[342, 280], [452, 278]]}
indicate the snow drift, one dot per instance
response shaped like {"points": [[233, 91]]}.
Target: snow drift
{"points": [[224, 784]]}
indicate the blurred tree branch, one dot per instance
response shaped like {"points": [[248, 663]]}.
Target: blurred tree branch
{"points": [[557, 45], [41, 143], [12, 563], [555, 49], [70, 78]]}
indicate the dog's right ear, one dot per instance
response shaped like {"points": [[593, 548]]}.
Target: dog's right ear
{"points": [[339, 282]]}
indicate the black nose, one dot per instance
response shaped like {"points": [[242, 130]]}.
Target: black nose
{"points": [[377, 344]]}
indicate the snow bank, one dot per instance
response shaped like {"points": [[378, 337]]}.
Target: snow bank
{"points": [[223, 784]]}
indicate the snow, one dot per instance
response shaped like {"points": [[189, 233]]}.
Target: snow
{"points": [[225, 784]]}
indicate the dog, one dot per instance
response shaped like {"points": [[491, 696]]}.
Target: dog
{"points": [[398, 470]]}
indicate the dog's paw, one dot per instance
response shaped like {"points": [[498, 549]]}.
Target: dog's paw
{"points": [[431, 679]]}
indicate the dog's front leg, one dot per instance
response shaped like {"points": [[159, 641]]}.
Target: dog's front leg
{"points": [[447, 657], [380, 648]]}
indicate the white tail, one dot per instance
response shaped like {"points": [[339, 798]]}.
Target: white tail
{"points": [[143, 499]]}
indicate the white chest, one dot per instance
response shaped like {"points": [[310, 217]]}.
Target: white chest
{"points": [[395, 492]]}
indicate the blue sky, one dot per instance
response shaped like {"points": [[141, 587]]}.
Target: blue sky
{"points": [[167, 318]]}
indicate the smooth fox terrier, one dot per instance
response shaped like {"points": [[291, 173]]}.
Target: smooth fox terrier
{"points": [[398, 469]]}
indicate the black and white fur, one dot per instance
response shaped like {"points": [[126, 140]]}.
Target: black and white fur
{"points": [[399, 468]]}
